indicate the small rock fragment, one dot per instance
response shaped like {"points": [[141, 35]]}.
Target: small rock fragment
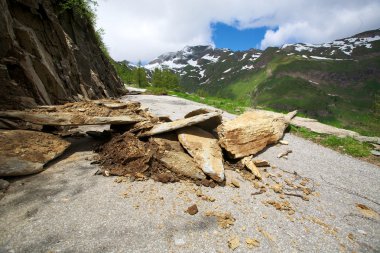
{"points": [[250, 164], [261, 163], [252, 242], [367, 211], [288, 151], [225, 219], [234, 242], [283, 142], [375, 152], [277, 188], [232, 178], [192, 210]]}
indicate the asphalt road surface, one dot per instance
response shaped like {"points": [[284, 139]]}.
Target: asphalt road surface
{"points": [[66, 208]]}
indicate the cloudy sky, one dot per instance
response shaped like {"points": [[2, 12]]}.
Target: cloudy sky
{"points": [[143, 29]]}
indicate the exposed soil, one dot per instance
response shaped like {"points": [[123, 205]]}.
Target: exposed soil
{"points": [[30, 145], [126, 154]]}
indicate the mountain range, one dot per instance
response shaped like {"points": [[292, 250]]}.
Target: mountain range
{"points": [[336, 82]]}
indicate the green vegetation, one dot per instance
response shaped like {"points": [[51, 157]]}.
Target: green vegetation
{"points": [[139, 76], [83, 8], [225, 104], [160, 82], [340, 100], [86, 10], [345, 145], [165, 79], [125, 73]]}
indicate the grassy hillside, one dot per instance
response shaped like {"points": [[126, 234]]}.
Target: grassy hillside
{"points": [[343, 93]]}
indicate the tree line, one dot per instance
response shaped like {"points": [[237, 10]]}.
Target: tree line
{"points": [[139, 77]]}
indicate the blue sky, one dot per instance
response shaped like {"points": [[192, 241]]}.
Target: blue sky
{"points": [[145, 29], [225, 36]]}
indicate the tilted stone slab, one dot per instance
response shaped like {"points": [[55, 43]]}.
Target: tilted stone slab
{"points": [[181, 163], [204, 148], [171, 126], [69, 119]]}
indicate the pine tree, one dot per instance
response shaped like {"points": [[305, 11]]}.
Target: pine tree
{"points": [[140, 76], [157, 77]]}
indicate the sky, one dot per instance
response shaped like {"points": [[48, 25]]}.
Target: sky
{"points": [[143, 29]]}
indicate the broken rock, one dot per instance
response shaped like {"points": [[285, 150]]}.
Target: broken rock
{"points": [[204, 148], [208, 124], [69, 119], [192, 210], [181, 163], [285, 153], [250, 164], [25, 152], [251, 132], [233, 178], [170, 126], [225, 219], [261, 163], [234, 242]]}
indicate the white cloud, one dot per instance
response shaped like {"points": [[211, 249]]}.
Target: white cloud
{"points": [[144, 29]]}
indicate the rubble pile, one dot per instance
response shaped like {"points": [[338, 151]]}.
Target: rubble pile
{"points": [[200, 147]]}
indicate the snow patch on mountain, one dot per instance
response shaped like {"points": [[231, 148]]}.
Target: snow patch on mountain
{"points": [[242, 58], [247, 67], [226, 71], [344, 45], [193, 63], [202, 73], [210, 58]]}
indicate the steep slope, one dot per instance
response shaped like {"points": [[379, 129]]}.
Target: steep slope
{"points": [[337, 82], [50, 56]]}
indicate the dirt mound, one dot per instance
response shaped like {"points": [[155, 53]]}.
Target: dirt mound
{"points": [[126, 154]]}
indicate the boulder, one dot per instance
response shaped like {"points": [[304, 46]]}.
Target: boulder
{"points": [[204, 148], [251, 132], [170, 126], [25, 152]]}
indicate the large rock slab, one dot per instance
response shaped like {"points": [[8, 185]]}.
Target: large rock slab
{"points": [[204, 148], [69, 119], [251, 132], [208, 124], [171, 126], [181, 163], [25, 152]]}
